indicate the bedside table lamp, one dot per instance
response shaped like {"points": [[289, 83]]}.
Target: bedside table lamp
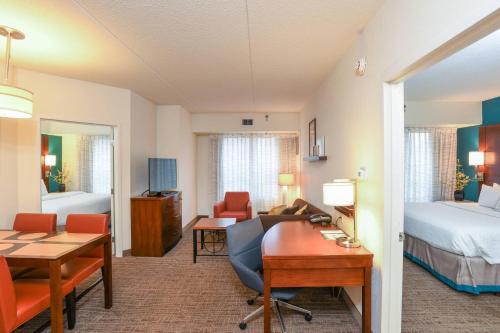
{"points": [[476, 159], [343, 192], [285, 180], [50, 161]]}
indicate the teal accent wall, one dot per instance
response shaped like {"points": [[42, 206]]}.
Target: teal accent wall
{"points": [[55, 148], [491, 111], [468, 140]]}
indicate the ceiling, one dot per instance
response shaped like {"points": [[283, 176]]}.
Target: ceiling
{"points": [[470, 75], [233, 55]]}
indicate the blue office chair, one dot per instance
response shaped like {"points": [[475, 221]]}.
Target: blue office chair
{"points": [[244, 249]]}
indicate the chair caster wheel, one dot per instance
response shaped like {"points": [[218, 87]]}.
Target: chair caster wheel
{"points": [[250, 301], [308, 317], [243, 325]]}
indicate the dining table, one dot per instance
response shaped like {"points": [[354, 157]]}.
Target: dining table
{"points": [[51, 250]]}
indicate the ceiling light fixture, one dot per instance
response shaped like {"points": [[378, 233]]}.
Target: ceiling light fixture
{"points": [[15, 102]]}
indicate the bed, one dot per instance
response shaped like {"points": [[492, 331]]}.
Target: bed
{"points": [[75, 202], [456, 242]]}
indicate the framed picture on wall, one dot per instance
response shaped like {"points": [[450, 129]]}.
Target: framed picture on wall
{"points": [[312, 137]]}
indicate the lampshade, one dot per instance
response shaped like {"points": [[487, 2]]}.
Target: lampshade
{"points": [[50, 160], [14, 102], [285, 179], [476, 158], [338, 193]]}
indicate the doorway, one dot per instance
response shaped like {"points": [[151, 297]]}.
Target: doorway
{"points": [[394, 160], [77, 170]]}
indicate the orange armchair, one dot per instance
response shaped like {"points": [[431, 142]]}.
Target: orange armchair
{"points": [[236, 205], [22, 300]]}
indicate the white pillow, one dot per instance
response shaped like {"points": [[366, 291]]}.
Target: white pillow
{"points": [[43, 188], [496, 187], [488, 197]]}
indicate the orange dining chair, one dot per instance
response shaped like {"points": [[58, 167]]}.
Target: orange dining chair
{"points": [[21, 300], [80, 268], [32, 222], [35, 222]]}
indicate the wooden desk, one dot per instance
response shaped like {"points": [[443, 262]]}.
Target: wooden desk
{"points": [[295, 254], [24, 249]]}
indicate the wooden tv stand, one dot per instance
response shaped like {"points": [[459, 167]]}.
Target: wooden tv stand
{"points": [[156, 224]]}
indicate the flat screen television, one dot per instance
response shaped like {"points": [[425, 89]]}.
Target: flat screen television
{"points": [[162, 175]]}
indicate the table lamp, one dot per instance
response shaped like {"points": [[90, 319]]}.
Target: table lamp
{"points": [[476, 159], [49, 161], [285, 180], [343, 192]]}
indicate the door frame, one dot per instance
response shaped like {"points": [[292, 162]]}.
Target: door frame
{"points": [[392, 284], [115, 176]]}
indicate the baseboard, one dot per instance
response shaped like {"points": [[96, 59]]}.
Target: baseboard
{"points": [[192, 222], [354, 310]]}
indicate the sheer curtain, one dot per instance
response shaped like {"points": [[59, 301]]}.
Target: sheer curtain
{"points": [[250, 162], [430, 163], [95, 164]]}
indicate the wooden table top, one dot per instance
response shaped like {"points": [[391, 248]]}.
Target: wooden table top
{"points": [[303, 239], [42, 245], [206, 223]]}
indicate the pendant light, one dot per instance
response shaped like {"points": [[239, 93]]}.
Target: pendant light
{"points": [[15, 102]]}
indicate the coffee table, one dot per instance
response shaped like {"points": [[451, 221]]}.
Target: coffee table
{"points": [[214, 225]]}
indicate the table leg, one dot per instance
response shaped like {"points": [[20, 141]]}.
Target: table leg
{"points": [[267, 301], [202, 235], [367, 301], [108, 275], [56, 297], [195, 246]]}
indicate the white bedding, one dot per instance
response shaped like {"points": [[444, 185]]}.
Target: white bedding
{"points": [[75, 202], [462, 228]]}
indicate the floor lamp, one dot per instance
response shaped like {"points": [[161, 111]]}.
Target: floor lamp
{"points": [[285, 180]]}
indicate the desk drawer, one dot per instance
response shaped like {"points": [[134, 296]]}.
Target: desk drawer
{"points": [[317, 277]]}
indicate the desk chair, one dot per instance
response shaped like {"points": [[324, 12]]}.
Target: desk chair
{"points": [[243, 243]]}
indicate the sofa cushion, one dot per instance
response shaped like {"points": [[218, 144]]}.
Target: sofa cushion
{"points": [[302, 211], [290, 210], [278, 210]]}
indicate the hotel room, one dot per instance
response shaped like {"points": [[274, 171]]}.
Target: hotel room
{"points": [[452, 137], [249, 165]]}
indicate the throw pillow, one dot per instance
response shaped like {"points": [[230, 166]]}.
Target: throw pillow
{"points": [[302, 211], [488, 197], [278, 210], [290, 210]]}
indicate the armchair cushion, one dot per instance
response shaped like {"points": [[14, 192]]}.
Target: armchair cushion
{"points": [[239, 216], [237, 201]]}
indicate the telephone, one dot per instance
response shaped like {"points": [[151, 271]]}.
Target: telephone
{"points": [[320, 218]]}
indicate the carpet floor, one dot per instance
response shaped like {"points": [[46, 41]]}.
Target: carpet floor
{"points": [[171, 294], [431, 306]]}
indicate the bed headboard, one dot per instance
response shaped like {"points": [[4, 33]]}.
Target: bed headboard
{"points": [[489, 142]]}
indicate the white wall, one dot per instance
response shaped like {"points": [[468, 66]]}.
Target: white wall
{"points": [[142, 142], [175, 139], [69, 100], [231, 122], [350, 114], [438, 113], [203, 177], [8, 172]]}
